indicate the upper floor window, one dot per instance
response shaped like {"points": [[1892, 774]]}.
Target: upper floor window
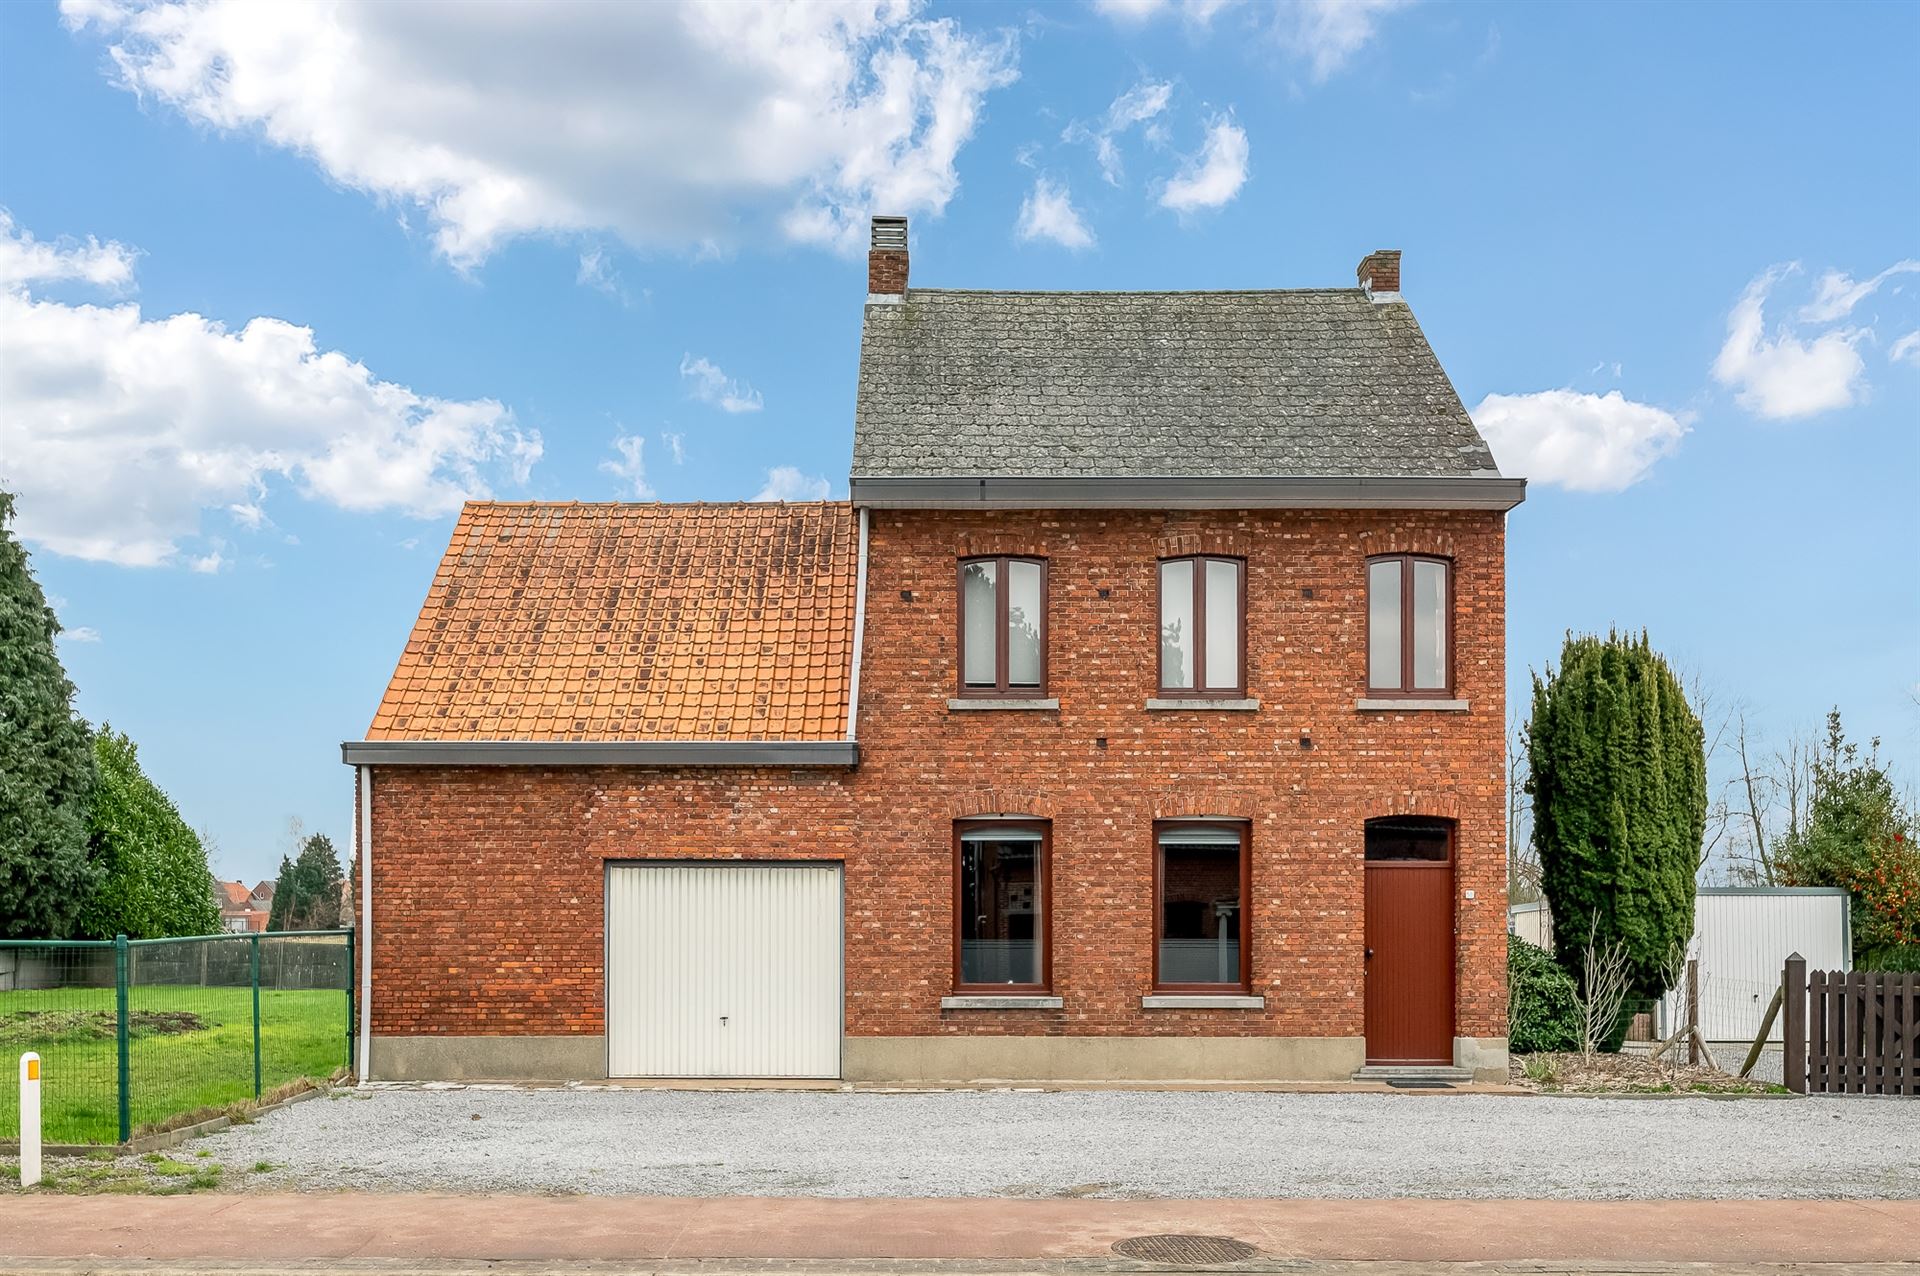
{"points": [[1000, 885], [1003, 626], [1409, 625], [1203, 626]]}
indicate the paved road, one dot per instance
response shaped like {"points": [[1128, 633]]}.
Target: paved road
{"points": [[1113, 1144]]}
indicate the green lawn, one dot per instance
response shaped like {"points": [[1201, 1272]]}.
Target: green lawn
{"points": [[191, 1047]]}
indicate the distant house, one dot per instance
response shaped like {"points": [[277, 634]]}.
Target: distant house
{"points": [[242, 910]]}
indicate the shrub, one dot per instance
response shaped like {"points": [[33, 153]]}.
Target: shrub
{"points": [[1543, 1013]]}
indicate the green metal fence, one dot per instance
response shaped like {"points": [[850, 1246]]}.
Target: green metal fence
{"points": [[134, 1032]]}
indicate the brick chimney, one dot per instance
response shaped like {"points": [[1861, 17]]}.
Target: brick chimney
{"points": [[1380, 271], [887, 258]]}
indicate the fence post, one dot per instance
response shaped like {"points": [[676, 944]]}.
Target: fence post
{"points": [[122, 1036], [353, 1038], [1793, 1035], [256, 1014], [1693, 1011]]}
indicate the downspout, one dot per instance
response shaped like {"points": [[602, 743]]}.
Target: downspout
{"points": [[366, 923], [859, 630]]}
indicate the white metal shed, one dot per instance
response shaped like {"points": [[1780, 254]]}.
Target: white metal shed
{"points": [[1742, 936]]}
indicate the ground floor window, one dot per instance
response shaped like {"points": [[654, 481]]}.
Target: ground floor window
{"points": [[1000, 906], [1200, 888]]}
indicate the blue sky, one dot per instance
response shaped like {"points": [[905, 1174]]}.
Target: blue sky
{"points": [[281, 284]]}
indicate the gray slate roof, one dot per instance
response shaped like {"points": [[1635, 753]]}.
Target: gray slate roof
{"points": [[1155, 384]]}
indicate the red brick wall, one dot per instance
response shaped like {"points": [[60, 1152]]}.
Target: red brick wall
{"points": [[488, 911]]}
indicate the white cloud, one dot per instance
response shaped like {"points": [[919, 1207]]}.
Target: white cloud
{"points": [[710, 385], [676, 446], [1048, 213], [1133, 13], [597, 272], [785, 483], [1837, 294], [667, 123], [1906, 349], [80, 633], [1582, 442], [1215, 175], [1327, 33], [1138, 105], [209, 563], [1783, 376], [629, 465], [118, 431], [25, 260]]}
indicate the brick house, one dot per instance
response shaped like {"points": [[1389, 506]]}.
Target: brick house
{"points": [[243, 910], [1141, 716]]}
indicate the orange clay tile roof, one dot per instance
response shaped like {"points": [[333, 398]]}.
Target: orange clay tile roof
{"points": [[633, 622]]}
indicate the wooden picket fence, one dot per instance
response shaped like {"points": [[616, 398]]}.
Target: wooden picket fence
{"points": [[1851, 1031]]}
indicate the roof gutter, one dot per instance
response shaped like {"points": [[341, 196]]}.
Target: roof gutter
{"points": [[651, 753], [1473, 492]]}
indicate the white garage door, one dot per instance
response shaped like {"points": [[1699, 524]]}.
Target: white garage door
{"points": [[723, 970]]}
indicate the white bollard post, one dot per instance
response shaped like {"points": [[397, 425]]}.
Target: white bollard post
{"points": [[29, 1119]]}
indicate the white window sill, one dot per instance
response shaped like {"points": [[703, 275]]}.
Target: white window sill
{"points": [[961, 703], [1246, 705], [1201, 1001], [1032, 1001], [1410, 706]]}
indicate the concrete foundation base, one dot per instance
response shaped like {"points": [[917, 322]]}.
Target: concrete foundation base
{"points": [[1154, 1059], [488, 1058], [887, 1060], [1485, 1057]]}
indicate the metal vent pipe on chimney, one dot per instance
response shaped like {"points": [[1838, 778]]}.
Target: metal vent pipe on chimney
{"points": [[887, 258]]}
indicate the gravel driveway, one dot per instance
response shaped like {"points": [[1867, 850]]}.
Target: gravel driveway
{"points": [[1101, 1143]]}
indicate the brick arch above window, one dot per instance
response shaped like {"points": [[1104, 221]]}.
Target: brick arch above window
{"points": [[1403, 540], [980, 802], [1193, 807], [995, 544], [1437, 806], [1220, 543]]}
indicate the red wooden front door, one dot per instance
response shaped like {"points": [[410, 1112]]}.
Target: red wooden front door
{"points": [[1409, 962]]}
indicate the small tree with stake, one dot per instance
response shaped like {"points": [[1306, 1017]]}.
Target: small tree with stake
{"points": [[1618, 777]]}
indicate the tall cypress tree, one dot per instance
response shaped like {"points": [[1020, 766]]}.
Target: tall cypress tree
{"points": [[46, 761], [1619, 785]]}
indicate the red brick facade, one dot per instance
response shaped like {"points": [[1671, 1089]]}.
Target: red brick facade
{"points": [[488, 913]]}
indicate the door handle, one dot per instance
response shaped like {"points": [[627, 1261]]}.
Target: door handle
{"points": [[1369, 954]]}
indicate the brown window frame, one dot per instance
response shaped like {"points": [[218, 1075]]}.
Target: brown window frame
{"points": [[1242, 829], [1043, 930], [1406, 690], [1426, 823], [1198, 691], [1001, 689]]}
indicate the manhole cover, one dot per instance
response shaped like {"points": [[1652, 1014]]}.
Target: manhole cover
{"points": [[1189, 1251]]}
